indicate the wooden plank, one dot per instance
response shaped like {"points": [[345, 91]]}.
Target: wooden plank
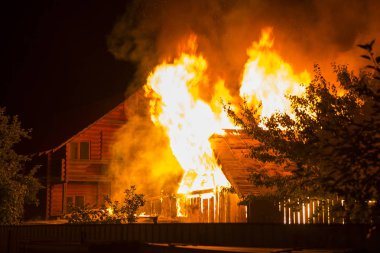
{"points": [[56, 200]]}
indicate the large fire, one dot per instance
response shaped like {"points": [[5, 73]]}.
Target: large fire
{"points": [[189, 121], [267, 78]]}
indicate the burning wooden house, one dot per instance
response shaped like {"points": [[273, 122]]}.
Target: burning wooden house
{"points": [[78, 174], [184, 103]]}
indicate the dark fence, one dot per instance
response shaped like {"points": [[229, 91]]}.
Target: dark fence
{"points": [[13, 238]]}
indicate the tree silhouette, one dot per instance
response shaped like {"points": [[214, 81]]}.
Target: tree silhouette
{"points": [[17, 187], [330, 145]]}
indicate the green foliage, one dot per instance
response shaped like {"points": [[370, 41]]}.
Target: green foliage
{"points": [[374, 60], [112, 212], [132, 202], [329, 148], [17, 187], [87, 215]]}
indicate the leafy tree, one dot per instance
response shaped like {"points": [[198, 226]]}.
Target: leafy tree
{"points": [[112, 212], [132, 202], [329, 147], [17, 187]]}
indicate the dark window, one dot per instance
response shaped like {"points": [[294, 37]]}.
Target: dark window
{"points": [[79, 201], [69, 203], [105, 198], [74, 150], [80, 150], [85, 150], [103, 169]]}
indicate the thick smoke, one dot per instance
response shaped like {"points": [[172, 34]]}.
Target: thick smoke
{"points": [[306, 32], [141, 155]]}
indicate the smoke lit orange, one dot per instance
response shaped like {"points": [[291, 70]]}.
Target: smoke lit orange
{"points": [[189, 121], [267, 78]]}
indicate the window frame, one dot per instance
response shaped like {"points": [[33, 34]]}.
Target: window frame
{"points": [[76, 149], [74, 202]]}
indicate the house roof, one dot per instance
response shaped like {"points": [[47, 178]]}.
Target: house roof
{"points": [[81, 131], [86, 116], [69, 124], [232, 151]]}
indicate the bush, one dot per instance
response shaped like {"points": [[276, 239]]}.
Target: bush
{"points": [[112, 212]]}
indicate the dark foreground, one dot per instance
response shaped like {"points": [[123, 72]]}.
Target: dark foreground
{"points": [[194, 237], [118, 247]]}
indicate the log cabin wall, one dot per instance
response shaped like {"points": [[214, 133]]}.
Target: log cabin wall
{"points": [[56, 200], [77, 170], [55, 182]]}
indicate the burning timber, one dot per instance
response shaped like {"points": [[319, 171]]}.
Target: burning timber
{"points": [[219, 204], [205, 206], [76, 181], [179, 134]]}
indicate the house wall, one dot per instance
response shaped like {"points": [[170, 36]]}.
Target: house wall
{"points": [[219, 208], [100, 136], [56, 200], [89, 191], [69, 175], [93, 194]]}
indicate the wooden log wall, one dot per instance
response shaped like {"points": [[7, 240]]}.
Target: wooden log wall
{"points": [[56, 200], [85, 177], [88, 190], [100, 136]]}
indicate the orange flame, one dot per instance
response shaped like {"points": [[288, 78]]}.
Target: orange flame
{"points": [[190, 121], [267, 78]]}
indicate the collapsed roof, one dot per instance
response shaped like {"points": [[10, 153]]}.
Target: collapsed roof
{"points": [[232, 151]]}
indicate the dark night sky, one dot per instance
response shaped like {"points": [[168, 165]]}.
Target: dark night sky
{"points": [[59, 76], [57, 73]]}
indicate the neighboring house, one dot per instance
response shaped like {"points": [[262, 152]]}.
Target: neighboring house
{"points": [[77, 169]]}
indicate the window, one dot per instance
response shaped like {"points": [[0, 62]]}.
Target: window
{"points": [[79, 201], [85, 150], [74, 150], [74, 201], [80, 150], [69, 203]]}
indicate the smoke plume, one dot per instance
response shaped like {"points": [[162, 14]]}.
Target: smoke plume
{"points": [[305, 33], [141, 155]]}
